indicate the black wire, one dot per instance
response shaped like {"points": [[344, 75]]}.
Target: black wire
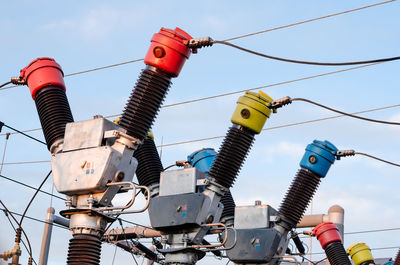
{"points": [[7, 83], [33, 197], [33, 138], [377, 158], [31, 187], [306, 62], [23, 231], [344, 113]]}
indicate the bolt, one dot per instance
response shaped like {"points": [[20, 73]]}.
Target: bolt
{"points": [[245, 113], [312, 159], [119, 176], [159, 52], [179, 208], [210, 219]]}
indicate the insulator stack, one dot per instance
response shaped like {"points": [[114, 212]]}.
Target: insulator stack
{"points": [[165, 58], [84, 249], [231, 155], [45, 80], [145, 101], [329, 237], [397, 260], [248, 119], [361, 254], [229, 206], [299, 196], [149, 163], [318, 158]]}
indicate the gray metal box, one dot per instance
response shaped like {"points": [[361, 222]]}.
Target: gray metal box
{"points": [[176, 211], [180, 181], [253, 245], [86, 134], [256, 216]]}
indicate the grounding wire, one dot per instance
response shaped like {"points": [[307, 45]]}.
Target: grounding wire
{"points": [[306, 62], [234, 38], [21, 132], [239, 91]]}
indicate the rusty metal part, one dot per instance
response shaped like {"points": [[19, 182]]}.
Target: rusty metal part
{"points": [[130, 232]]}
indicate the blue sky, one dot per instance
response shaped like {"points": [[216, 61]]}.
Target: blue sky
{"points": [[87, 34]]}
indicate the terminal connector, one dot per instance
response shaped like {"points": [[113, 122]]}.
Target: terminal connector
{"points": [[276, 104], [18, 80], [198, 43], [344, 153]]}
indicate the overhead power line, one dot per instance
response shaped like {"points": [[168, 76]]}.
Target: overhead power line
{"points": [[235, 38], [281, 126], [240, 91], [309, 20]]}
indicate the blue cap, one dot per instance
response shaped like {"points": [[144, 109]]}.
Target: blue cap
{"points": [[202, 159], [319, 157]]}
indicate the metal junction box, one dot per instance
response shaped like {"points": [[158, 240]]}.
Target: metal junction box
{"points": [[255, 216], [179, 181]]}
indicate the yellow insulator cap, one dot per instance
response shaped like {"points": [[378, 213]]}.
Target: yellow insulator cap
{"points": [[150, 134], [252, 110], [360, 253], [116, 121]]}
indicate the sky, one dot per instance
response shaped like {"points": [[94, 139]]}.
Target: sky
{"points": [[82, 35]]}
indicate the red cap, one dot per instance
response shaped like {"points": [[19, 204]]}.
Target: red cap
{"points": [[327, 233], [42, 72], [168, 50]]}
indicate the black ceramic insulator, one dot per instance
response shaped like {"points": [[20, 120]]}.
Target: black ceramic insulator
{"points": [[299, 244], [149, 163], [54, 112], [299, 196], [336, 254], [231, 155], [145, 101], [397, 260], [84, 249], [229, 205]]}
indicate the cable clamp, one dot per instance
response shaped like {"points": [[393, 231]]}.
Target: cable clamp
{"points": [[198, 43], [18, 81], [276, 104], [344, 153]]}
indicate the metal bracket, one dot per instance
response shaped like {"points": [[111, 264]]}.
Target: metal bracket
{"points": [[216, 246]]}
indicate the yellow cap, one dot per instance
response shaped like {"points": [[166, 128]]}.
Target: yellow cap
{"points": [[116, 121], [252, 110], [360, 253]]}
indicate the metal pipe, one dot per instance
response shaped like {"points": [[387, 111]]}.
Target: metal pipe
{"points": [[131, 232], [48, 228]]}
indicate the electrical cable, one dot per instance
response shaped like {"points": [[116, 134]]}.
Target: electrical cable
{"points": [[15, 230], [33, 197], [24, 163], [308, 20], [31, 187], [241, 91], [18, 131], [377, 158], [4, 152], [381, 248], [306, 62], [6, 83], [20, 228], [344, 113]]}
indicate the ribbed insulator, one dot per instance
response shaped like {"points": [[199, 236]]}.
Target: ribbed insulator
{"points": [[229, 205], [84, 250], [231, 155], [299, 196], [149, 163], [397, 260], [54, 112], [336, 254], [145, 101]]}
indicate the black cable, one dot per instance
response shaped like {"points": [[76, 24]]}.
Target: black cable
{"points": [[18, 131], [33, 197], [306, 62], [23, 231], [7, 83], [31, 187], [344, 113]]}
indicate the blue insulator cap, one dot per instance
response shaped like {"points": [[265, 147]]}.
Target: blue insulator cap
{"points": [[319, 157], [388, 263], [202, 159]]}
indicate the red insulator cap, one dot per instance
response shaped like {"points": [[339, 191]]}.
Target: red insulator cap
{"points": [[42, 72], [326, 233], [168, 50]]}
